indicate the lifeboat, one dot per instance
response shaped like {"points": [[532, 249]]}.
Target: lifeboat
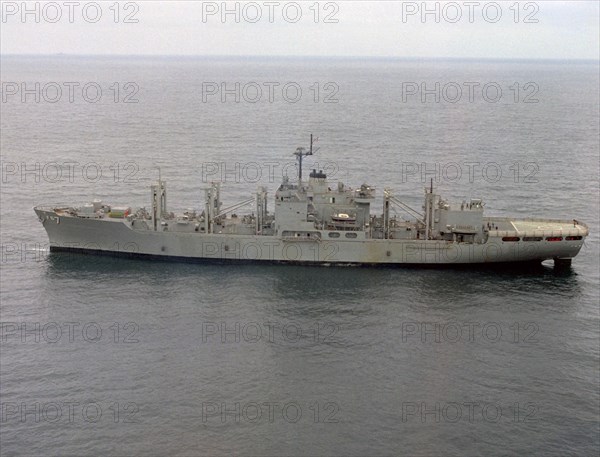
{"points": [[343, 217]]}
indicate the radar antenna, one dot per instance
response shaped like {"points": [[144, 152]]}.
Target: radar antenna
{"points": [[301, 152]]}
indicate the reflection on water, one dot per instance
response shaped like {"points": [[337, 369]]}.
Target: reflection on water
{"points": [[316, 291]]}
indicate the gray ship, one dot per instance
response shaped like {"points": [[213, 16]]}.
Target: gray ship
{"points": [[313, 223]]}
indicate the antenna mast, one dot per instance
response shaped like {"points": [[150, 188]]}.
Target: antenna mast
{"points": [[300, 153]]}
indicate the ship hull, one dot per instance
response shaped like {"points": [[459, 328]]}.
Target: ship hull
{"points": [[118, 238]]}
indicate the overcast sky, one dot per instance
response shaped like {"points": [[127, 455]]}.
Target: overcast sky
{"points": [[504, 29]]}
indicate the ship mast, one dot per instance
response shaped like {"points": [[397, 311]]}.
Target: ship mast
{"points": [[158, 197], [300, 153], [429, 211]]}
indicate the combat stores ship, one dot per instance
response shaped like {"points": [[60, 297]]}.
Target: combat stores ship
{"points": [[312, 224]]}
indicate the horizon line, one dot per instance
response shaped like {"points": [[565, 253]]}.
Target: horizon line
{"points": [[279, 56]]}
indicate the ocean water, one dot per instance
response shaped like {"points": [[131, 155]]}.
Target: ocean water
{"points": [[103, 356]]}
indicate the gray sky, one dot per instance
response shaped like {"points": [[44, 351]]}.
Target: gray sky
{"points": [[553, 29]]}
